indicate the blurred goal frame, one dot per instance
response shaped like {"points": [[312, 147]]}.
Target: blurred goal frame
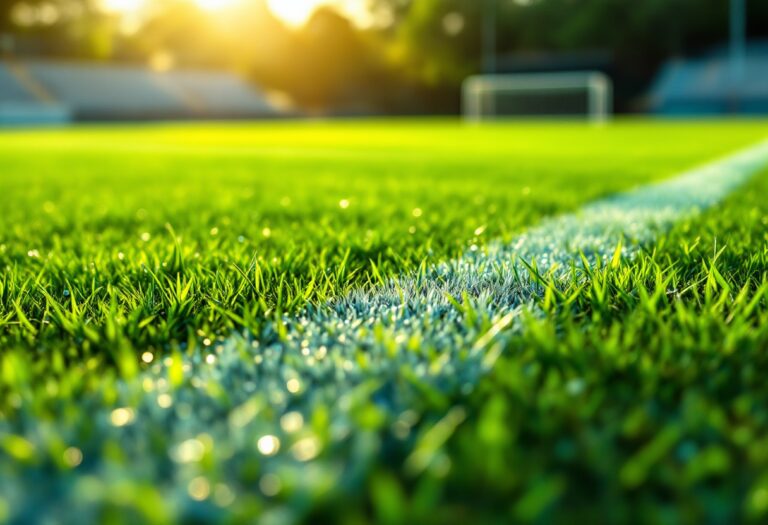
{"points": [[597, 85]]}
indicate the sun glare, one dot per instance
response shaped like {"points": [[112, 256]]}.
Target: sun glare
{"points": [[122, 6], [216, 5], [294, 12]]}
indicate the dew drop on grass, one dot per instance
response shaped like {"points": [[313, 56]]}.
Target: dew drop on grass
{"points": [[223, 495], [73, 456], [121, 417], [164, 401], [199, 488], [270, 485], [189, 451], [293, 385], [268, 445], [306, 448], [292, 422]]}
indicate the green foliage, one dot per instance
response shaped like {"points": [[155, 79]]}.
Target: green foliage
{"points": [[414, 63]]}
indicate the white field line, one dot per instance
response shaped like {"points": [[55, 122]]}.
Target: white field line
{"points": [[399, 340], [403, 348]]}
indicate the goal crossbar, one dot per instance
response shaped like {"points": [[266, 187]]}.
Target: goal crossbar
{"points": [[479, 91]]}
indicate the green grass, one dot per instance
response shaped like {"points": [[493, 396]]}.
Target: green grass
{"points": [[638, 400], [109, 215], [642, 401]]}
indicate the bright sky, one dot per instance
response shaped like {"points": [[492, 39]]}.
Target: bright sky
{"points": [[294, 12], [291, 12]]}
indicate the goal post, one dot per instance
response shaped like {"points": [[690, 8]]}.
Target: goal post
{"points": [[586, 94]]}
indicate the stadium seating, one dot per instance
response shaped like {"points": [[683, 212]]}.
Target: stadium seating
{"points": [[706, 85], [109, 92], [11, 90], [218, 93], [21, 105]]}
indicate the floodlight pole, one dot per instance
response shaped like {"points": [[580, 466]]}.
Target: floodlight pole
{"points": [[738, 39], [489, 37]]}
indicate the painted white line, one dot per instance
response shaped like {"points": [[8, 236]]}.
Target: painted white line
{"points": [[383, 354], [406, 338]]}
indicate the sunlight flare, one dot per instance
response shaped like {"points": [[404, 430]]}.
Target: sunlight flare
{"points": [[294, 12], [216, 5]]}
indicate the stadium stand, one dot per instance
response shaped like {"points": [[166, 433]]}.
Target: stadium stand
{"points": [[11, 90], [218, 93], [20, 103], [708, 86], [106, 92]]}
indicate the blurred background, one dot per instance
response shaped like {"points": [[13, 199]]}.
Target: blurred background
{"points": [[64, 60]]}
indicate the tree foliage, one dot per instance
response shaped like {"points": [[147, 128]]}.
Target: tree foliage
{"points": [[424, 46]]}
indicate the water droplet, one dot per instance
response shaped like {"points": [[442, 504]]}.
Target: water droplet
{"points": [[164, 401], [121, 417], [268, 445], [306, 449], [270, 484], [189, 451], [199, 488], [73, 456], [293, 385], [292, 422]]}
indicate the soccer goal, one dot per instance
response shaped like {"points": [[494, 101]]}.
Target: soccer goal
{"points": [[528, 95]]}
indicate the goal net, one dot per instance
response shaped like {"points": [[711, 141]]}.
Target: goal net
{"points": [[575, 95]]}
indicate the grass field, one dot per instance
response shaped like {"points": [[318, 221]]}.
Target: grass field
{"points": [[131, 256]]}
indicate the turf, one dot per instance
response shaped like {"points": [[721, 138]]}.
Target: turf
{"points": [[118, 242]]}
